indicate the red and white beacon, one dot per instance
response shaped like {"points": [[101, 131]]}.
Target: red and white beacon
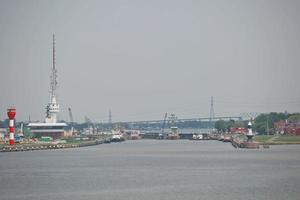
{"points": [[11, 113]]}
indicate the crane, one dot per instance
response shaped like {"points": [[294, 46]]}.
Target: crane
{"points": [[162, 135], [71, 116], [71, 120], [91, 125]]}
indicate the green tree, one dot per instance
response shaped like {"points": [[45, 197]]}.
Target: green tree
{"points": [[265, 122], [229, 124], [220, 125], [294, 117]]}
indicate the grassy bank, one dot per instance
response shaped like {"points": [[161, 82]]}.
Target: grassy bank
{"points": [[67, 142], [262, 138], [277, 139]]}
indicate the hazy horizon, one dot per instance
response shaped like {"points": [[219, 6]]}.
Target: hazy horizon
{"points": [[141, 59]]}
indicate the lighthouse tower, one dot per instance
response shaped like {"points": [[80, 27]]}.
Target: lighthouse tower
{"points": [[250, 133], [11, 113], [52, 107]]}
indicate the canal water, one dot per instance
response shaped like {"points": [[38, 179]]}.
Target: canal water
{"points": [[152, 169]]}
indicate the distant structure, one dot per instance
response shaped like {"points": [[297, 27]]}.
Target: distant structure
{"points": [[50, 127], [249, 115], [212, 113], [109, 120]]}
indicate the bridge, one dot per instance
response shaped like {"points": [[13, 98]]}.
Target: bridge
{"points": [[201, 122], [201, 119]]}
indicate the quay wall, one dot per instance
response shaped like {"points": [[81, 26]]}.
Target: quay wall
{"points": [[48, 146]]}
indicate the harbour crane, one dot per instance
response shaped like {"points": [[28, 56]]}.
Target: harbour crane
{"points": [[162, 135], [71, 120], [71, 116], [91, 125]]}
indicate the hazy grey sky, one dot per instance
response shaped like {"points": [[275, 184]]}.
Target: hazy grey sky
{"points": [[144, 58]]}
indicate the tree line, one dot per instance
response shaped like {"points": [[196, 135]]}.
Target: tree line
{"points": [[262, 124]]}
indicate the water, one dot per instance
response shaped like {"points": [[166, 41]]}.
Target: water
{"points": [[152, 169]]}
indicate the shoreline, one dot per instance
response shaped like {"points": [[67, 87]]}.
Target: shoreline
{"points": [[279, 143], [48, 146]]}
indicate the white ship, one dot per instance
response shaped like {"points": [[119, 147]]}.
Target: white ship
{"points": [[173, 135], [117, 136]]}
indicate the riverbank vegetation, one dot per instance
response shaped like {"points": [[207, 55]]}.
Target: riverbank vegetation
{"points": [[277, 139], [262, 124]]}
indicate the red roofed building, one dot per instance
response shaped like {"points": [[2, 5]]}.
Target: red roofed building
{"points": [[287, 127], [238, 130], [280, 127]]}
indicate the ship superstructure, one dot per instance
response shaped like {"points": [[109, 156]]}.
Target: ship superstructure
{"points": [[173, 135], [50, 127]]}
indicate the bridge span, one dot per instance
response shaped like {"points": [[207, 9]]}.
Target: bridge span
{"points": [[201, 119]]}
